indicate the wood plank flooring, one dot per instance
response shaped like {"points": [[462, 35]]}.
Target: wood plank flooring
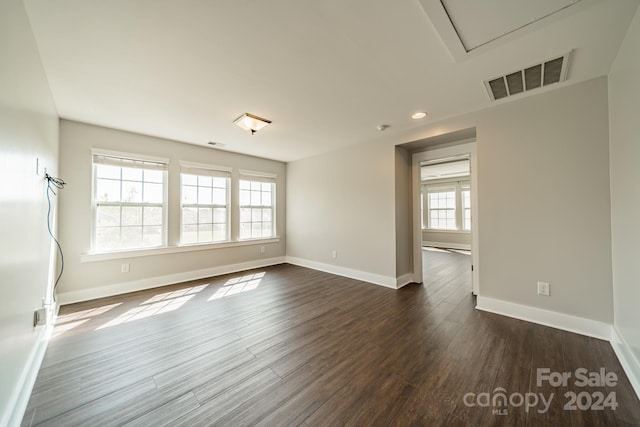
{"points": [[289, 346]]}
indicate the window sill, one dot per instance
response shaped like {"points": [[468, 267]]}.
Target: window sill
{"points": [[437, 230], [105, 256]]}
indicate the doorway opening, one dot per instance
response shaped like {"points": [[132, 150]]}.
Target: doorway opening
{"points": [[445, 214]]}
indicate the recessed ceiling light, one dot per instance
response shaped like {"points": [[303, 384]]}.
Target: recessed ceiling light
{"points": [[419, 115]]}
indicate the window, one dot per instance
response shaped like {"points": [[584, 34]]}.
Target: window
{"points": [[446, 205], [442, 209], [129, 203], [466, 208], [257, 196], [204, 206]]}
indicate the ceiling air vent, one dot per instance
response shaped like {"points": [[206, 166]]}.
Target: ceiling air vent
{"points": [[546, 73]]}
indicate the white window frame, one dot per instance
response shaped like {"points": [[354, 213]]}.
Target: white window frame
{"points": [[139, 161], [465, 187], [438, 186], [199, 169], [261, 177]]}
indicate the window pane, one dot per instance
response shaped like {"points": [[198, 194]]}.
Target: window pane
{"points": [[108, 215], [131, 237], [267, 229], [219, 232], [245, 198], [204, 195], [256, 185], [106, 171], [189, 179], [245, 215], [189, 194], [108, 238], [151, 175], [152, 236], [131, 191], [204, 181], [108, 190], [131, 174], [152, 193], [205, 215], [219, 215], [220, 182], [266, 214], [266, 199], [245, 230], [152, 215], [131, 215], [255, 198], [266, 186], [219, 196], [189, 234], [256, 215], [256, 229], [189, 215], [245, 185], [205, 233]]}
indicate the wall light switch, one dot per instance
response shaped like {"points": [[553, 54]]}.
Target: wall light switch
{"points": [[124, 268]]}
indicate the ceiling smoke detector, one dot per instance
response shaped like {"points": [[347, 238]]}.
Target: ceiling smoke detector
{"points": [[546, 73]]}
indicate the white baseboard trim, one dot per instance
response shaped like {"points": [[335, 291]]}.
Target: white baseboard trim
{"points": [[404, 280], [567, 322], [21, 394], [447, 245], [629, 362], [170, 279], [377, 279]]}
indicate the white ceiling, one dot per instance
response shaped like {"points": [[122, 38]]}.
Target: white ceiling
{"points": [[327, 73]]}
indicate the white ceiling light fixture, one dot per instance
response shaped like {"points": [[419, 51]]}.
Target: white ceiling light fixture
{"points": [[419, 115], [251, 122]]}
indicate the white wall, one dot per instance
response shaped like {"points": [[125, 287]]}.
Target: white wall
{"points": [[344, 201], [83, 280], [551, 224], [404, 212], [28, 130], [624, 131]]}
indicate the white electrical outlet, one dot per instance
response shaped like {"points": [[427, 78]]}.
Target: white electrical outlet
{"points": [[40, 317], [124, 268], [543, 288], [334, 254], [262, 249]]}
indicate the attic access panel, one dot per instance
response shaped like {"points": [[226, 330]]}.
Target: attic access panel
{"points": [[480, 22], [468, 27]]}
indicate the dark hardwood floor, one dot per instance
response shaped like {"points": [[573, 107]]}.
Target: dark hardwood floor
{"points": [[288, 346]]}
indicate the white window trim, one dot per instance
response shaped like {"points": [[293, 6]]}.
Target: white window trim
{"points": [[455, 185], [129, 156], [245, 175], [191, 168], [165, 190], [135, 253]]}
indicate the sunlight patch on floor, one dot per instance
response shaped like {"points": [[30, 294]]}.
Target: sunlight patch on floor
{"points": [[238, 285], [66, 322], [158, 304]]}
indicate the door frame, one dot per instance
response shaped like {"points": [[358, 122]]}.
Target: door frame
{"points": [[465, 149]]}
